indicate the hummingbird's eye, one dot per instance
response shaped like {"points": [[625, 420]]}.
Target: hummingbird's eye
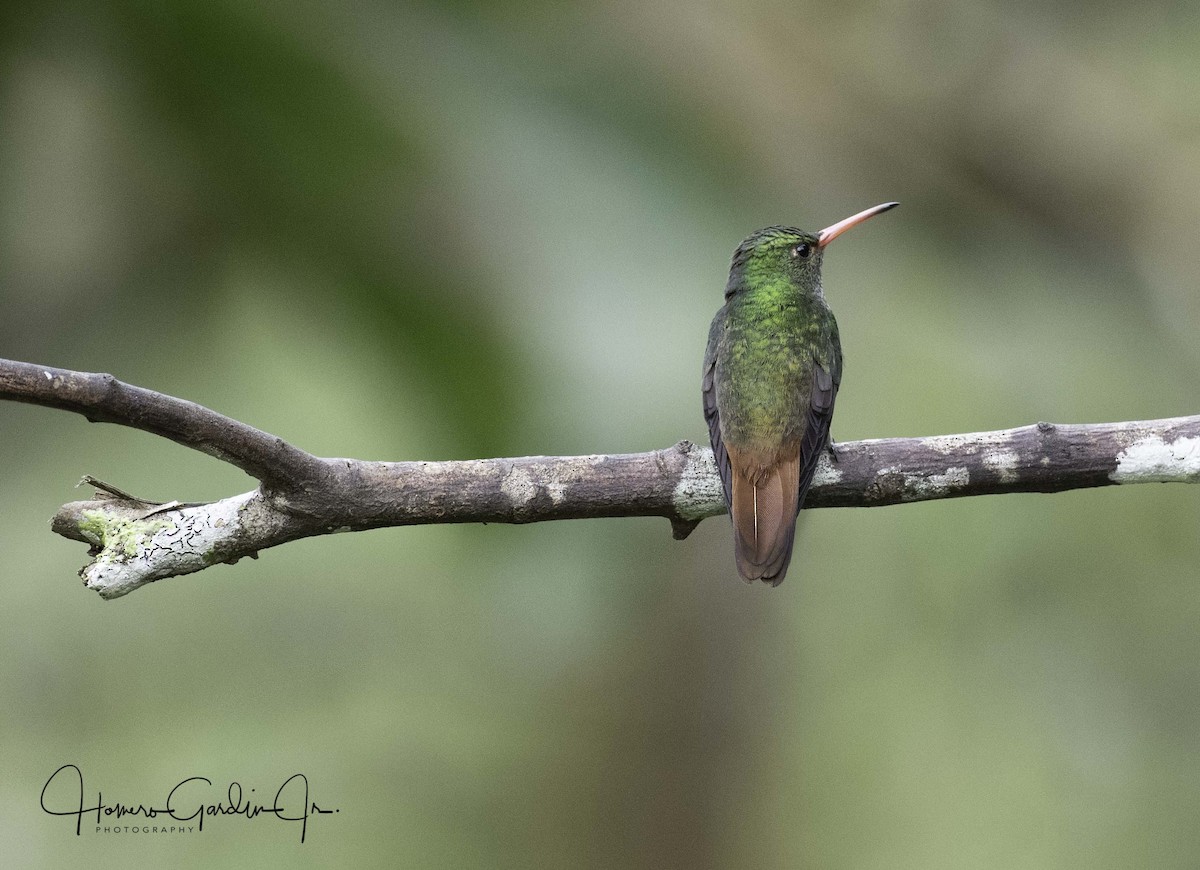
{"points": [[802, 250]]}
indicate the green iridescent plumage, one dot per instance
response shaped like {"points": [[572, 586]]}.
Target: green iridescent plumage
{"points": [[771, 374]]}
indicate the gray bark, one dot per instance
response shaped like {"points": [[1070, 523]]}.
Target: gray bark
{"points": [[134, 542]]}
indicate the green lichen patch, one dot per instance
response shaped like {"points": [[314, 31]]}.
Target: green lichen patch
{"points": [[119, 537]]}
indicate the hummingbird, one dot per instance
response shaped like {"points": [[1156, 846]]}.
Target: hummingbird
{"points": [[771, 375]]}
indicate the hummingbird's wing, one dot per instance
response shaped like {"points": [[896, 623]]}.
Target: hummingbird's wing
{"points": [[711, 416], [827, 375]]}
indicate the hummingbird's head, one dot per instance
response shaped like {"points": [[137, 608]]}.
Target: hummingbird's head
{"points": [[773, 253], [786, 252]]}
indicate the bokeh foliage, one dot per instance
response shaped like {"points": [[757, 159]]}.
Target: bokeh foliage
{"points": [[448, 230]]}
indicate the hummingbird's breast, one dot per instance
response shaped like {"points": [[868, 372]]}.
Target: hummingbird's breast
{"points": [[765, 367]]}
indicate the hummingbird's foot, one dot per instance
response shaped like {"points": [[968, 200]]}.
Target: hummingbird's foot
{"points": [[833, 457]]}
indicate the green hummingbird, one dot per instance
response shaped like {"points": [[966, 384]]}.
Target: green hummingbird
{"points": [[771, 374]]}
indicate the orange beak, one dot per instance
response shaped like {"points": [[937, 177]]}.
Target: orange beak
{"points": [[828, 234]]}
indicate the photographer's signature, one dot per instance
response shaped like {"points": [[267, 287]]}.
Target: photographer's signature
{"points": [[189, 801]]}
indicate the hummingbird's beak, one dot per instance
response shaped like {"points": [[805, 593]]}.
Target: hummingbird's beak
{"points": [[828, 234]]}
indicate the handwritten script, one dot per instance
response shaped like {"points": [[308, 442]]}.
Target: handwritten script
{"points": [[188, 801]]}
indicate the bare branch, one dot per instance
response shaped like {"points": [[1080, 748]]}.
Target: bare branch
{"points": [[134, 542], [102, 398]]}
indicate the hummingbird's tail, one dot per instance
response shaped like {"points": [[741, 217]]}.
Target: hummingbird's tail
{"points": [[764, 504]]}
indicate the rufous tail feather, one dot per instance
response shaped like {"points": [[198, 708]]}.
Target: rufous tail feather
{"points": [[763, 507]]}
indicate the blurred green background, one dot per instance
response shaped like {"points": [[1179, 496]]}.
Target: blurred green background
{"points": [[430, 231]]}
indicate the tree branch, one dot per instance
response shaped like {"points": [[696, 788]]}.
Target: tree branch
{"points": [[135, 542], [103, 399]]}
